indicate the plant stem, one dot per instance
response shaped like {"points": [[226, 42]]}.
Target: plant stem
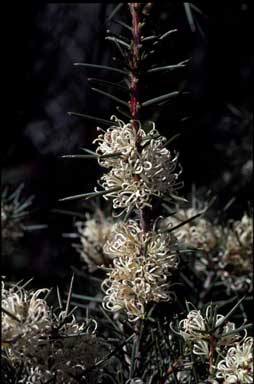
{"points": [[134, 60]]}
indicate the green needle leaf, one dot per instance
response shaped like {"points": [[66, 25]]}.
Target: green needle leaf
{"points": [[168, 33], [119, 41], [103, 67], [123, 24], [172, 139], [90, 195], [110, 96], [108, 83], [113, 13], [89, 151], [79, 157], [115, 154], [229, 313], [183, 222], [149, 38], [124, 113], [187, 8], [160, 98], [88, 117], [166, 68]]}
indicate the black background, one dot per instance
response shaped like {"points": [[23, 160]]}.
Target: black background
{"points": [[43, 40]]}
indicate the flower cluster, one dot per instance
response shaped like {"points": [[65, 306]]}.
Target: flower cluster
{"points": [[198, 233], [142, 263], [25, 317], [140, 165], [228, 250], [195, 328], [237, 253], [44, 345], [13, 209], [93, 234], [237, 367], [218, 341]]}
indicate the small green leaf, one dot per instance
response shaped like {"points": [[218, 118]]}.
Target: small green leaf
{"points": [[110, 96], [90, 195], [114, 12], [108, 83], [167, 34], [79, 157], [115, 154], [189, 16], [88, 117], [86, 298], [172, 139], [160, 98], [102, 67], [123, 112], [89, 151], [123, 24], [149, 38], [69, 213], [229, 313], [166, 68], [119, 41], [183, 223]]}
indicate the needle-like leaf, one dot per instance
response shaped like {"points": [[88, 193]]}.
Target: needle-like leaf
{"points": [[111, 96], [167, 68], [119, 41], [102, 67], [79, 157], [108, 83], [183, 223], [90, 195], [160, 98], [93, 118], [220, 323]]}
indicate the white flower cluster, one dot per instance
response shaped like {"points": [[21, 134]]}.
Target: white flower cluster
{"points": [[25, 317], [235, 259], [45, 346], [229, 250], [93, 234], [140, 165], [199, 233], [238, 247], [237, 367], [195, 328], [142, 264]]}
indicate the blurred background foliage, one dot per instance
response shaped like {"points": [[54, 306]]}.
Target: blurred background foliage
{"points": [[213, 116]]}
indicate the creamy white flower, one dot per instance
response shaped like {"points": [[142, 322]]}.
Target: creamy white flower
{"points": [[143, 167], [198, 233], [195, 328], [191, 326], [25, 315], [119, 138], [93, 233], [237, 252], [237, 367], [142, 264], [132, 189], [124, 240]]}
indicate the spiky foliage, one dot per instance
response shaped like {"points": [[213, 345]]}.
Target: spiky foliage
{"points": [[160, 251]]}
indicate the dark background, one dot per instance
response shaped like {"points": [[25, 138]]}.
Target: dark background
{"points": [[215, 144]]}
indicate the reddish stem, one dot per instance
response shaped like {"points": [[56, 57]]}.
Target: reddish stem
{"points": [[134, 61]]}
